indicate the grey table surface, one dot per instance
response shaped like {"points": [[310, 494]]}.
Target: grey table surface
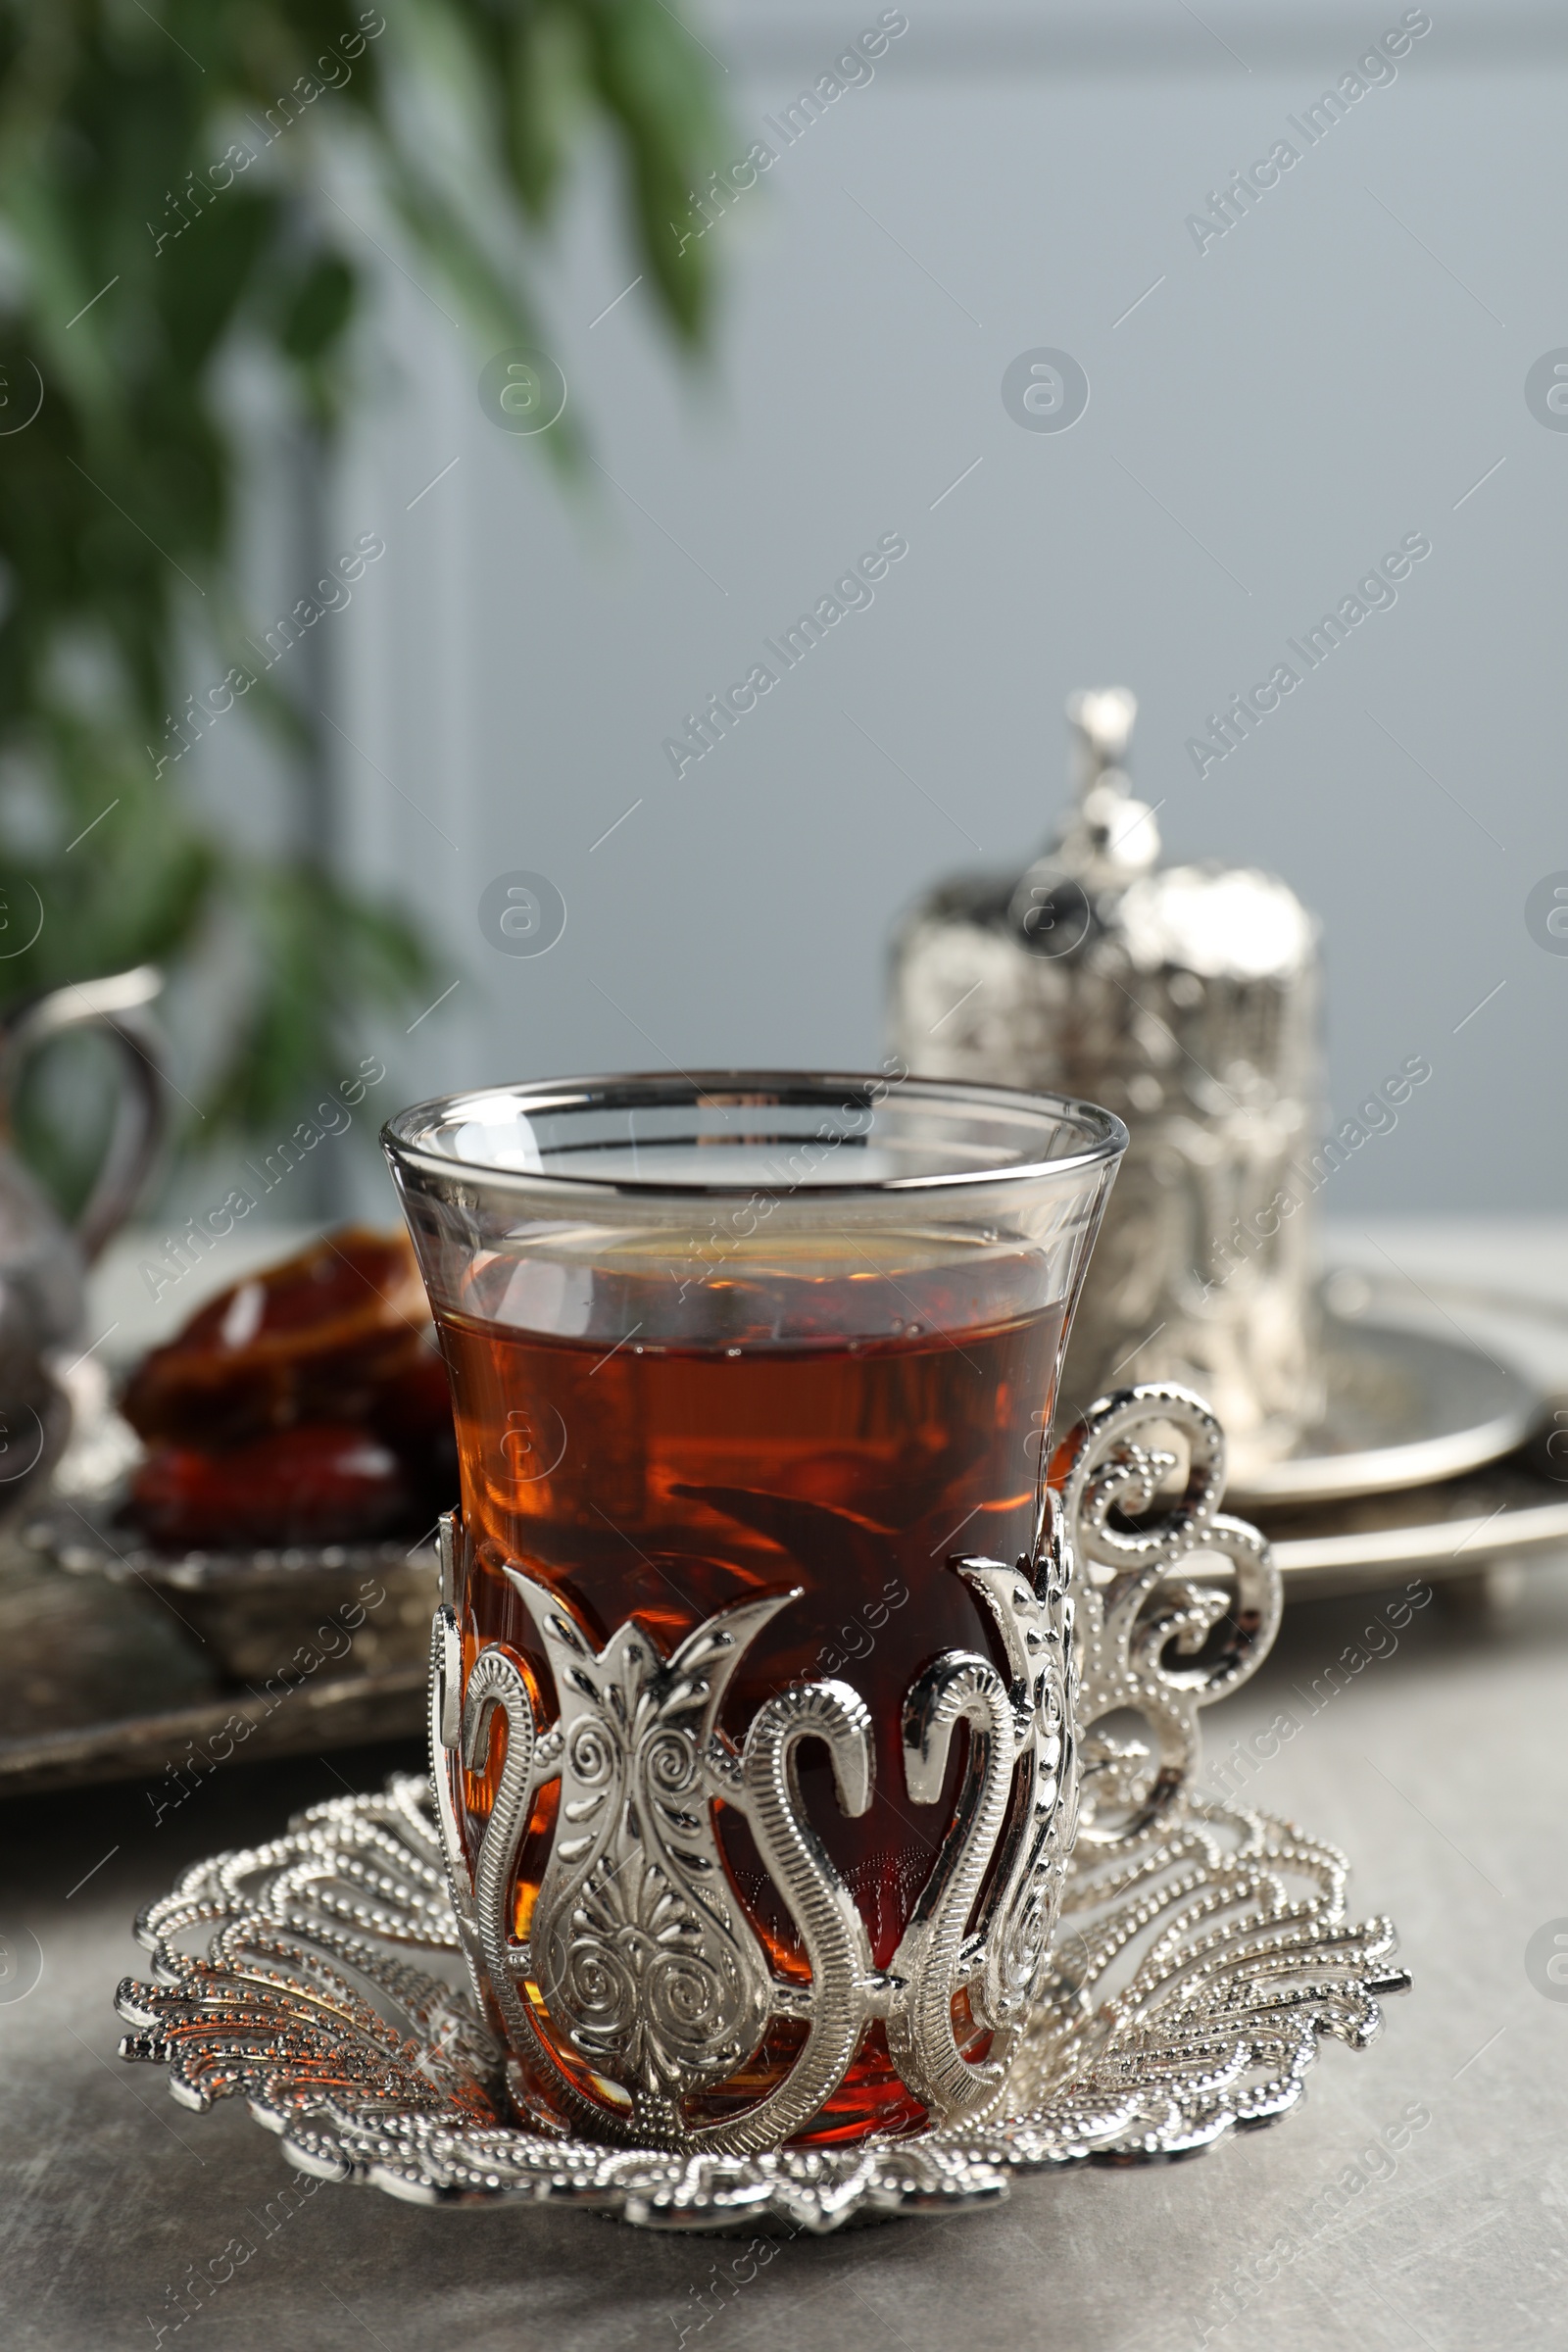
{"points": [[1419, 2195]]}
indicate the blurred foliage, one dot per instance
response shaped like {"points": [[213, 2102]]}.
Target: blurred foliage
{"points": [[164, 207]]}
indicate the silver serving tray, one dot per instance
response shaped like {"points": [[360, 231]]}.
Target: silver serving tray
{"points": [[1198, 1966], [265, 1612], [241, 1727], [87, 1537], [252, 1608]]}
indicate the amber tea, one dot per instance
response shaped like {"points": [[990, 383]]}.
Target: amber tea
{"points": [[665, 1481]]}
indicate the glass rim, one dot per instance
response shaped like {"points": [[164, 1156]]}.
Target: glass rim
{"points": [[1106, 1134]]}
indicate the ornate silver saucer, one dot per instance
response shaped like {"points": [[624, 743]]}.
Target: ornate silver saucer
{"points": [[1196, 1969]]}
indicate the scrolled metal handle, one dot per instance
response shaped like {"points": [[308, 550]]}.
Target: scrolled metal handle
{"points": [[1148, 1619], [1103, 1465]]}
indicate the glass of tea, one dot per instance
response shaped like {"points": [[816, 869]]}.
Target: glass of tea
{"points": [[752, 1691]]}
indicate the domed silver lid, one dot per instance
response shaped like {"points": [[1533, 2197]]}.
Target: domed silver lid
{"points": [[1185, 998]]}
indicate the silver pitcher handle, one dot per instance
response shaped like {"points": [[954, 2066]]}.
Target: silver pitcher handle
{"points": [[117, 1005]]}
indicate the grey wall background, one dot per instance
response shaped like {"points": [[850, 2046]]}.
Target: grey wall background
{"points": [[1342, 367]]}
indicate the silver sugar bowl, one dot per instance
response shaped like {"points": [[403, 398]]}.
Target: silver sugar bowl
{"points": [[1186, 999]]}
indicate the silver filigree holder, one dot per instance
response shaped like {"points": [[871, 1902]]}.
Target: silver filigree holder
{"points": [[1150, 1970]]}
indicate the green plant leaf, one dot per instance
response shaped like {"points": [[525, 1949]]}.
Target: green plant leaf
{"points": [[163, 202]]}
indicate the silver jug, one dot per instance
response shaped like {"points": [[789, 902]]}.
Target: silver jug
{"points": [[43, 1261], [1186, 999]]}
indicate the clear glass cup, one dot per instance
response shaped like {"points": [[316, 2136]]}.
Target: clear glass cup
{"points": [[755, 1352]]}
